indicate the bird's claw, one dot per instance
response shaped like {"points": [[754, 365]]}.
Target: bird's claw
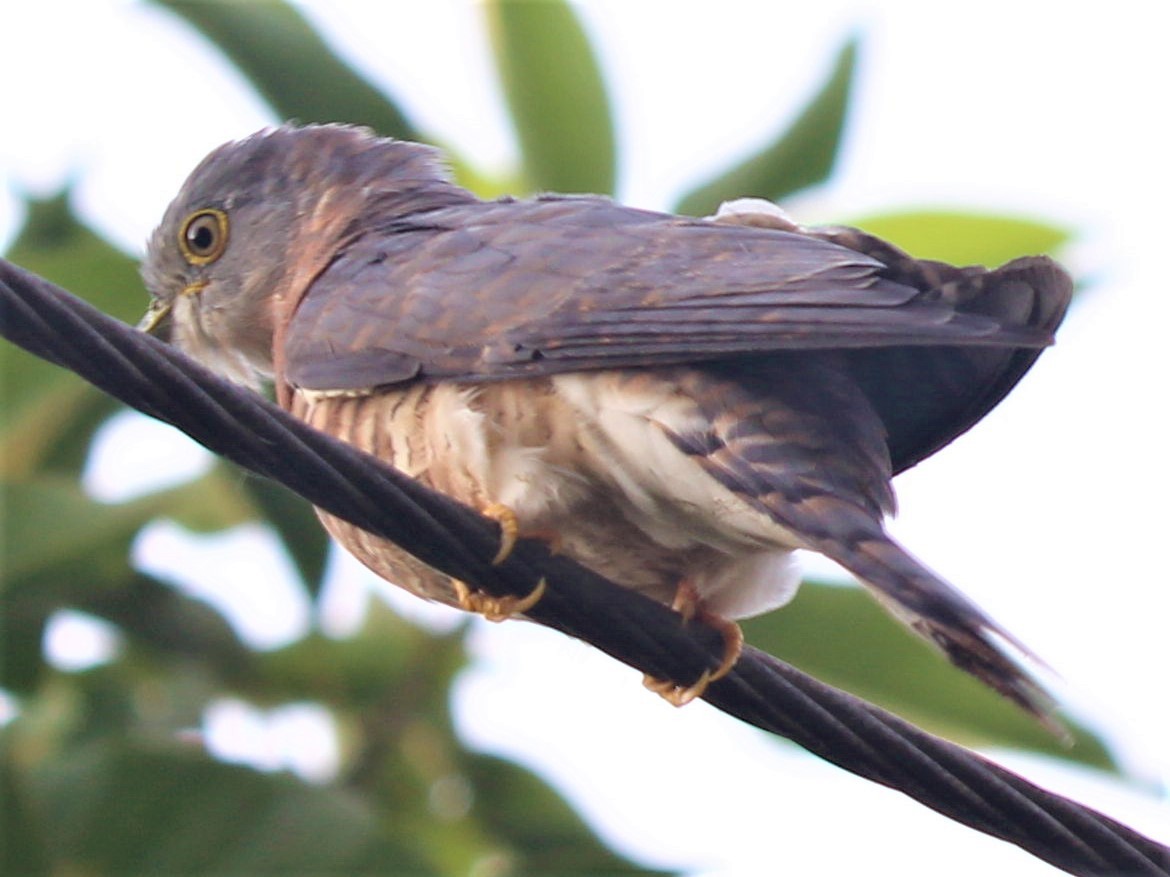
{"points": [[509, 529], [688, 604], [675, 694], [497, 608]]}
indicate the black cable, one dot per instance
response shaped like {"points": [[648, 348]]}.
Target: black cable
{"points": [[847, 731]]}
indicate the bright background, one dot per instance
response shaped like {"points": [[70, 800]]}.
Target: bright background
{"points": [[1051, 514]]}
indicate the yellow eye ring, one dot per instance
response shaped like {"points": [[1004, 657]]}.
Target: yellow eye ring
{"points": [[203, 236]]}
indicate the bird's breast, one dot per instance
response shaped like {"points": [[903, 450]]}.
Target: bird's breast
{"points": [[585, 460]]}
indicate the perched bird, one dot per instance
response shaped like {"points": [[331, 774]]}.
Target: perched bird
{"points": [[676, 403]]}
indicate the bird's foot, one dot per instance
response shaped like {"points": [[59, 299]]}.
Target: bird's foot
{"points": [[496, 608], [689, 605], [510, 532], [509, 529]]}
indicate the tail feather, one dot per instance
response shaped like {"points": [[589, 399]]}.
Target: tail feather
{"points": [[928, 396], [944, 617]]}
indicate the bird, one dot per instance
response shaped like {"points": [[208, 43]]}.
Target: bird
{"points": [[677, 403]]}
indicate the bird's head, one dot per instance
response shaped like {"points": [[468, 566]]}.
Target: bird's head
{"points": [[256, 221]]}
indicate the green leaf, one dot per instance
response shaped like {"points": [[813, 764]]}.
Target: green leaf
{"points": [[840, 635], [547, 836], [799, 157], [56, 548], [214, 501], [60, 532], [963, 238], [61, 548], [57, 245], [291, 67], [22, 850], [50, 415], [124, 808], [154, 616], [22, 631], [554, 90], [264, 41], [388, 660]]}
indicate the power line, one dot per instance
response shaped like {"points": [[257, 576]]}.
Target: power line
{"points": [[243, 427]]}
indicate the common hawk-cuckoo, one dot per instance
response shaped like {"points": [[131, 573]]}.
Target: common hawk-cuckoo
{"points": [[678, 403]]}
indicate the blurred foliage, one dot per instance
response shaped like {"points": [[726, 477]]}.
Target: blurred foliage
{"points": [[553, 87], [843, 637], [801, 155], [965, 238], [101, 773], [291, 66]]}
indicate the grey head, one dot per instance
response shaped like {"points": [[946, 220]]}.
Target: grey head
{"points": [[250, 223]]}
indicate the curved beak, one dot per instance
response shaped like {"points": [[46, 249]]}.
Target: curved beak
{"points": [[155, 320]]}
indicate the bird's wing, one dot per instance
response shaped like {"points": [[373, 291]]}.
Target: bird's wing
{"points": [[511, 289], [927, 395], [508, 289]]}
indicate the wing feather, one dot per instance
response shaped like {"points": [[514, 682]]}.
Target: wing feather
{"points": [[490, 291]]}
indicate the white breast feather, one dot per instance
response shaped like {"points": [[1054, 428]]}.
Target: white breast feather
{"points": [[678, 503]]}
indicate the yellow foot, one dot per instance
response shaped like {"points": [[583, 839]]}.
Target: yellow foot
{"points": [[675, 694], [497, 608], [510, 532], [509, 529], [688, 604]]}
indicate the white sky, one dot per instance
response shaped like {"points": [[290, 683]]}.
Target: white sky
{"points": [[1051, 513]]}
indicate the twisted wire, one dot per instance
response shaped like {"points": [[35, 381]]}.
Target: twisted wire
{"points": [[761, 690]]}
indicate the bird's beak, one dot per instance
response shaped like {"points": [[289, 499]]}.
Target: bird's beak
{"points": [[155, 317]]}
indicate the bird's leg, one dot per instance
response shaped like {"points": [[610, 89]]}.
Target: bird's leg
{"points": [[689, 604], [496, 608], [499, 608]]}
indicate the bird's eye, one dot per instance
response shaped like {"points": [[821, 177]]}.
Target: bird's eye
{"points": [[203, 236]]}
